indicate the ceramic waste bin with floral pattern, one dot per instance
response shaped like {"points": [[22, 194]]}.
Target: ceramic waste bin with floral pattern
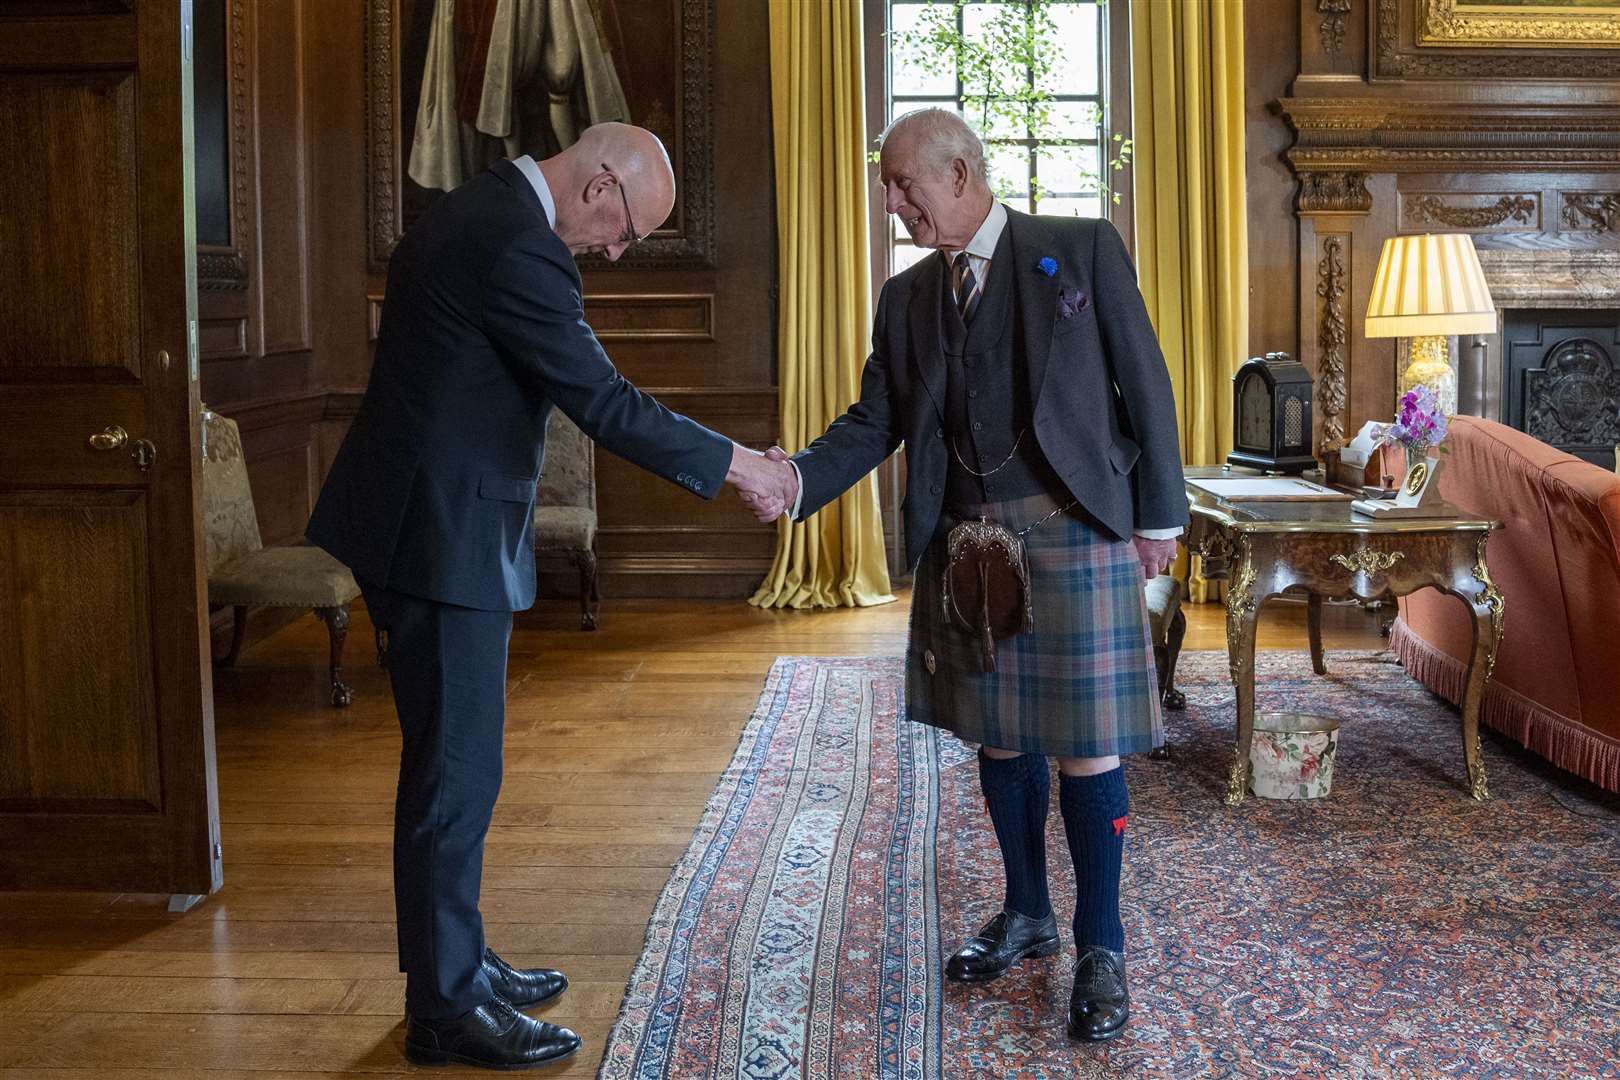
{"points": [[1292, 755]]}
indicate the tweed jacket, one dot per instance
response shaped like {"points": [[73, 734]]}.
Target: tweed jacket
{"points": [[1104, 411]]}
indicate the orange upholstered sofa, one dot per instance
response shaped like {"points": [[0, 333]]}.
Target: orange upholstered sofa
{"points": [[1556, 687]]}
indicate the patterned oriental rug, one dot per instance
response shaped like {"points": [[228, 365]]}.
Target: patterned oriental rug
{"points": [[1394, 929]]}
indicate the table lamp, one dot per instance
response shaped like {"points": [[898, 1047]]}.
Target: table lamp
{"points": [[1428, 287]]}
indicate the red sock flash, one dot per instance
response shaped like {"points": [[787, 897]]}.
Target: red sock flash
{"points": [[1119, 825]]}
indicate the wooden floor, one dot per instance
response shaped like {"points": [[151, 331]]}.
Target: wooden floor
{"points": [[614, 740]]}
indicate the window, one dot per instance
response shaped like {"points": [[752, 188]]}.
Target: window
{"points": [[1031, 77]]}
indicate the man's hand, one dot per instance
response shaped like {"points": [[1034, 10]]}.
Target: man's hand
{"points": [[767, 484], [1156, 555]]}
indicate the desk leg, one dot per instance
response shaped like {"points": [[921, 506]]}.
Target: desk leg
{"points": [[1242, 615], [1313, 623], [1488, 609]]}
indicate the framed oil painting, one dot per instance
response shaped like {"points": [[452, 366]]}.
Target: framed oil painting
{"points": [[453, 85], [1557, 24]]}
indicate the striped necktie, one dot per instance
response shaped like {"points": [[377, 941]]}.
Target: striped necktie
{"points": [[966, 285]]}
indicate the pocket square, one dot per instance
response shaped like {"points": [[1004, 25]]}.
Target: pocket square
{"points": [[1071, 302]]}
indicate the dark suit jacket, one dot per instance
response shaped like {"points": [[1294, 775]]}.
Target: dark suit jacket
{"points": [[1105, 415], [482, 333]]}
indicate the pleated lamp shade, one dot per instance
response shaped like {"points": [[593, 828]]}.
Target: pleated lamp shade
{"points": [[1429, 284]]}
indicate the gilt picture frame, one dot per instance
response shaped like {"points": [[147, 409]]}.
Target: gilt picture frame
{"points": [[1542, 24], [659, 54]]}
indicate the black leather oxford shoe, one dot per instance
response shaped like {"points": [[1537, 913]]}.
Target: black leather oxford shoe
{"points": [[524, 988], [1100, 1003], [493, 1036], [1007, 939]]}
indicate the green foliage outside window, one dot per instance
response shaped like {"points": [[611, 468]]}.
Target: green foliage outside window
{"points": [[1004, 69]]}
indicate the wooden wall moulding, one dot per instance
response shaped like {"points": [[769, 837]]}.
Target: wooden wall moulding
{"points": [[1332, 339], [1591, 211], [1424, 135], [225, 268], [681, 112], [1473, 212], [1333, 193], [1399, 53], [651, 317]]}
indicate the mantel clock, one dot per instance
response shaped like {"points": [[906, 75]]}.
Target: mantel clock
{"points": [[1271, 415]]}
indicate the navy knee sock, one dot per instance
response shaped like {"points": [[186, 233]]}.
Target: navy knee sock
{"points": [[1016, 791], [1095, 809]]}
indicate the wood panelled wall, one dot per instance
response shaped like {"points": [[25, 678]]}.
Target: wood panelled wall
{"points": [[286, 304], [1357, 131]]}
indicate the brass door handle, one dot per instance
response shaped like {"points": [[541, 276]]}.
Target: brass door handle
{"points": [[109, 438]]}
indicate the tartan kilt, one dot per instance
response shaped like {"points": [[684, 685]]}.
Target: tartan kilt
{"points": [[1080, 684]]}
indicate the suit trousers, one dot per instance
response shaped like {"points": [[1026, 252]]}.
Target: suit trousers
{"points": [[447, 665]]}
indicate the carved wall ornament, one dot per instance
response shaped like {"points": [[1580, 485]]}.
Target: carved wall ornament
{"points": [[1395, 60], [1435, 209], [221, 270], [1367, 561], [1597, 211], [1333, 192], [1332, 339], [1574, 400], [1332, 25]]}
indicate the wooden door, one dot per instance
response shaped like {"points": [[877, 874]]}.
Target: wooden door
{"points": [[106, 723]]}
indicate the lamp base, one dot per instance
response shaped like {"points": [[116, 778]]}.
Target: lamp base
{"points": [[1429, 364]]}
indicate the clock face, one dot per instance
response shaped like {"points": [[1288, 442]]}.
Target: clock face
{"points": [[1254, 415]]}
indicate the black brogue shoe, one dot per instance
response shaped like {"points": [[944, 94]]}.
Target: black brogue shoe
{"points": [[1007, 939]]}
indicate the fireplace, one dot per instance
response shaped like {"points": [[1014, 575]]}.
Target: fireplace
{"points": [[1553, 370], [1561, 379]]}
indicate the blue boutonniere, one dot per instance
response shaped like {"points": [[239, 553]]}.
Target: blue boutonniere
{"points": [[1047, 266]]}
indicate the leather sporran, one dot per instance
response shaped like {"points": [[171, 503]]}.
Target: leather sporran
{"points": [[986, 590]]}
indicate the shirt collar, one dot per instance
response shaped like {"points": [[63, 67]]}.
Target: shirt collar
{"points": [[537, 180], [983, 244]]}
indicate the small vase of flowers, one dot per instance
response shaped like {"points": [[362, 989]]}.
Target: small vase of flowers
{"points": [[1419, 427]]}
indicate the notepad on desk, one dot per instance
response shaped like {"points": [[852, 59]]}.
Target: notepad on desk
{"points": [[1267, 489]]}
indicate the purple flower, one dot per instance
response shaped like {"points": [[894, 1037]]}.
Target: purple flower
{"points": [[1071, 302], [1419, 423], [1047, 266]]}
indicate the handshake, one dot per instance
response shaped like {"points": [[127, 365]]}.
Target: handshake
{"points": [[766, 482]]}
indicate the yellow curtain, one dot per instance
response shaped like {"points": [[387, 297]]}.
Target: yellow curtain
{"points": [[818, 107], [1192, 250]]}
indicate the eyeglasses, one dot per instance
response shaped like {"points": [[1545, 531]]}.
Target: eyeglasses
{"points": [[630, 236]]}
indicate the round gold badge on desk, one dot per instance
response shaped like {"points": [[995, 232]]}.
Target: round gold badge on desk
{"points": [[1415, 476]]}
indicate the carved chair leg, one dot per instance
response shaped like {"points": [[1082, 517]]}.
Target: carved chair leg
{"points": [[1170, 697], [337, 632], [1164, 663], [238, 634], [589, 598], [1161, 665]]}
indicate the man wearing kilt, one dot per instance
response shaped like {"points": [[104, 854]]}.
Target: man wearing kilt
{"points": [[1021, 372]]}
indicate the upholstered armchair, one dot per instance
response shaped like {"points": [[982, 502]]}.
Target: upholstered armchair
{"points": [[242, 572], [565, 509]]}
